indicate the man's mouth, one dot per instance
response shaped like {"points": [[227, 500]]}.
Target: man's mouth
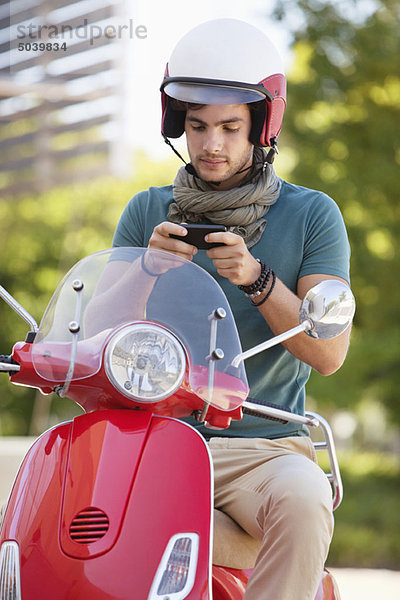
{"points": [[213, 163]]}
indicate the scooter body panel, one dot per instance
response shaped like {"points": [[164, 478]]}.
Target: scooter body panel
{"points": [[229, 584], [129, 466], [95, 496]]}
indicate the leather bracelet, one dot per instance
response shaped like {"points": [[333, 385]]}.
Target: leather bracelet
{"points": [[268, 293]]}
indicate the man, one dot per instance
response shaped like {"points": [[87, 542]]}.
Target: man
{"points": [[225, 88]]}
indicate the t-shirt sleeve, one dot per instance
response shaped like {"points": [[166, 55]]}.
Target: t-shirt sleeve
{"points": [[326, 247], [129, 231]]}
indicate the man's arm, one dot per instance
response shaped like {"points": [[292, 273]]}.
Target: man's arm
{"points": [[281, 309], [118, 297]]}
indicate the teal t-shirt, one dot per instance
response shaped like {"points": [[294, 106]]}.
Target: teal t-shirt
{"points": [[305, 234]]}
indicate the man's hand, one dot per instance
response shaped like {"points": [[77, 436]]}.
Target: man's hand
{"points": [[233, 260], [160, 240]]}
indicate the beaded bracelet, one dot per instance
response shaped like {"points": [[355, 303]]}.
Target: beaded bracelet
{"points": [[263, 286], [268, 293], [255, 287]]}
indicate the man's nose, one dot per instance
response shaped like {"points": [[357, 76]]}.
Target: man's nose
{"points": [[212, 142]]}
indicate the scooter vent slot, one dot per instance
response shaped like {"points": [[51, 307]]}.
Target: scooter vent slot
{"points": [[89, 525]]}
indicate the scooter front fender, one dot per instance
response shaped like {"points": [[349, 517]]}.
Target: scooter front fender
{"points": [[97, 501]]}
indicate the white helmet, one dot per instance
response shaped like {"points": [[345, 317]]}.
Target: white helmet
{"points": [[226, 61]]}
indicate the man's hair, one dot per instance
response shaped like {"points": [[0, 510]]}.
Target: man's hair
{"points": [[183, 106]]}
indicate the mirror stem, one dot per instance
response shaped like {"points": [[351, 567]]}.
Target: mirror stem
{"points": [[278, 339], [19, 309]]}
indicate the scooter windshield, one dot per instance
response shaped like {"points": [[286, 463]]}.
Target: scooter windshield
{"points": [[119, 286]]}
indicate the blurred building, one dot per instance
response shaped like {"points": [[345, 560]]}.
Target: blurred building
{"points": [[64, 110]]}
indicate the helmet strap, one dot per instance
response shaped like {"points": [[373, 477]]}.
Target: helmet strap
{"points": [[188, 166], [273, 150], [166, 140], [192, 171], [246, 169]]}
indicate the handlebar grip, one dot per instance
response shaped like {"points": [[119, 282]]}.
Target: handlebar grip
{"points": [[255, 413], [7, 359]]}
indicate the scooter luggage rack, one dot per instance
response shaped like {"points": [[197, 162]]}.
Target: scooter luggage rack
{"points": [[328, 444], [310, 419]]}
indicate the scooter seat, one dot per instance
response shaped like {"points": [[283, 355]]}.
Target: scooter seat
{"points": [[233, 547]]}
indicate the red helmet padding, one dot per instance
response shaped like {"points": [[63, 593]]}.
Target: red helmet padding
{"points": [[276, 84]]}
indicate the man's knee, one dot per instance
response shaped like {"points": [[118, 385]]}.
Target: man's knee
{"points": [[302, 497]]}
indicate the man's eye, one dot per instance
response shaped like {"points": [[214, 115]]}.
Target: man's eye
{"points": [[197, 127], [231, 129]]}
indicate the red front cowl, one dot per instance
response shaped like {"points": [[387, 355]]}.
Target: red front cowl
{"points": [[104, 455], [137, 479]]}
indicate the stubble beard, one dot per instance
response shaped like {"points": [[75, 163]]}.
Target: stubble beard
{"points": [[233, 170]]}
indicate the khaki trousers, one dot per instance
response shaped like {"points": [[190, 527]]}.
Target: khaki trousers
{"points": [[278, 494]]}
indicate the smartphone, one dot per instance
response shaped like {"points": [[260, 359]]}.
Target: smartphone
{"points": [[196, 233]]}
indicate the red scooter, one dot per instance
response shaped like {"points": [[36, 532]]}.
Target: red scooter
{"points": [[118, 502]]}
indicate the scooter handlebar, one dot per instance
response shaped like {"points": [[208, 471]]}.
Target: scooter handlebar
{"points": [[8, 364]]}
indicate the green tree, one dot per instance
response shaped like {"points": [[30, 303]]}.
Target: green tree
{"points": [[41, 238], [341, 132]]}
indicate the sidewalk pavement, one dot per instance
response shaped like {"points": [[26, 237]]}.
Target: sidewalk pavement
{"points": [[367, 584], [12, 451]]}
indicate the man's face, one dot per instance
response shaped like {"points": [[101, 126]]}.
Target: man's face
{"points": [[218, 142]]}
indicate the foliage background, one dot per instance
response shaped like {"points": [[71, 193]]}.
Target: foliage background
{"points": [[340, 128], [340, 135]]}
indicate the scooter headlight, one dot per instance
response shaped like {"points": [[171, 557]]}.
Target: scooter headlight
{"points": [[145, 362]]}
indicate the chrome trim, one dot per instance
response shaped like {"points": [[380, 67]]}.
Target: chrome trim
{"points": [[213, 318], [328, 444], [310, 419], [74, 328], [278, 339], [19, 309], [4, 367], [10, 577]]}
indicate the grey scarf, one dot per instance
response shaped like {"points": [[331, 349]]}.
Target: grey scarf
{"points": [[241, 210]]}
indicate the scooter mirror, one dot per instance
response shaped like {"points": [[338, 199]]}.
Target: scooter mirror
{"points": [[325, 312], [329, 307]]}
